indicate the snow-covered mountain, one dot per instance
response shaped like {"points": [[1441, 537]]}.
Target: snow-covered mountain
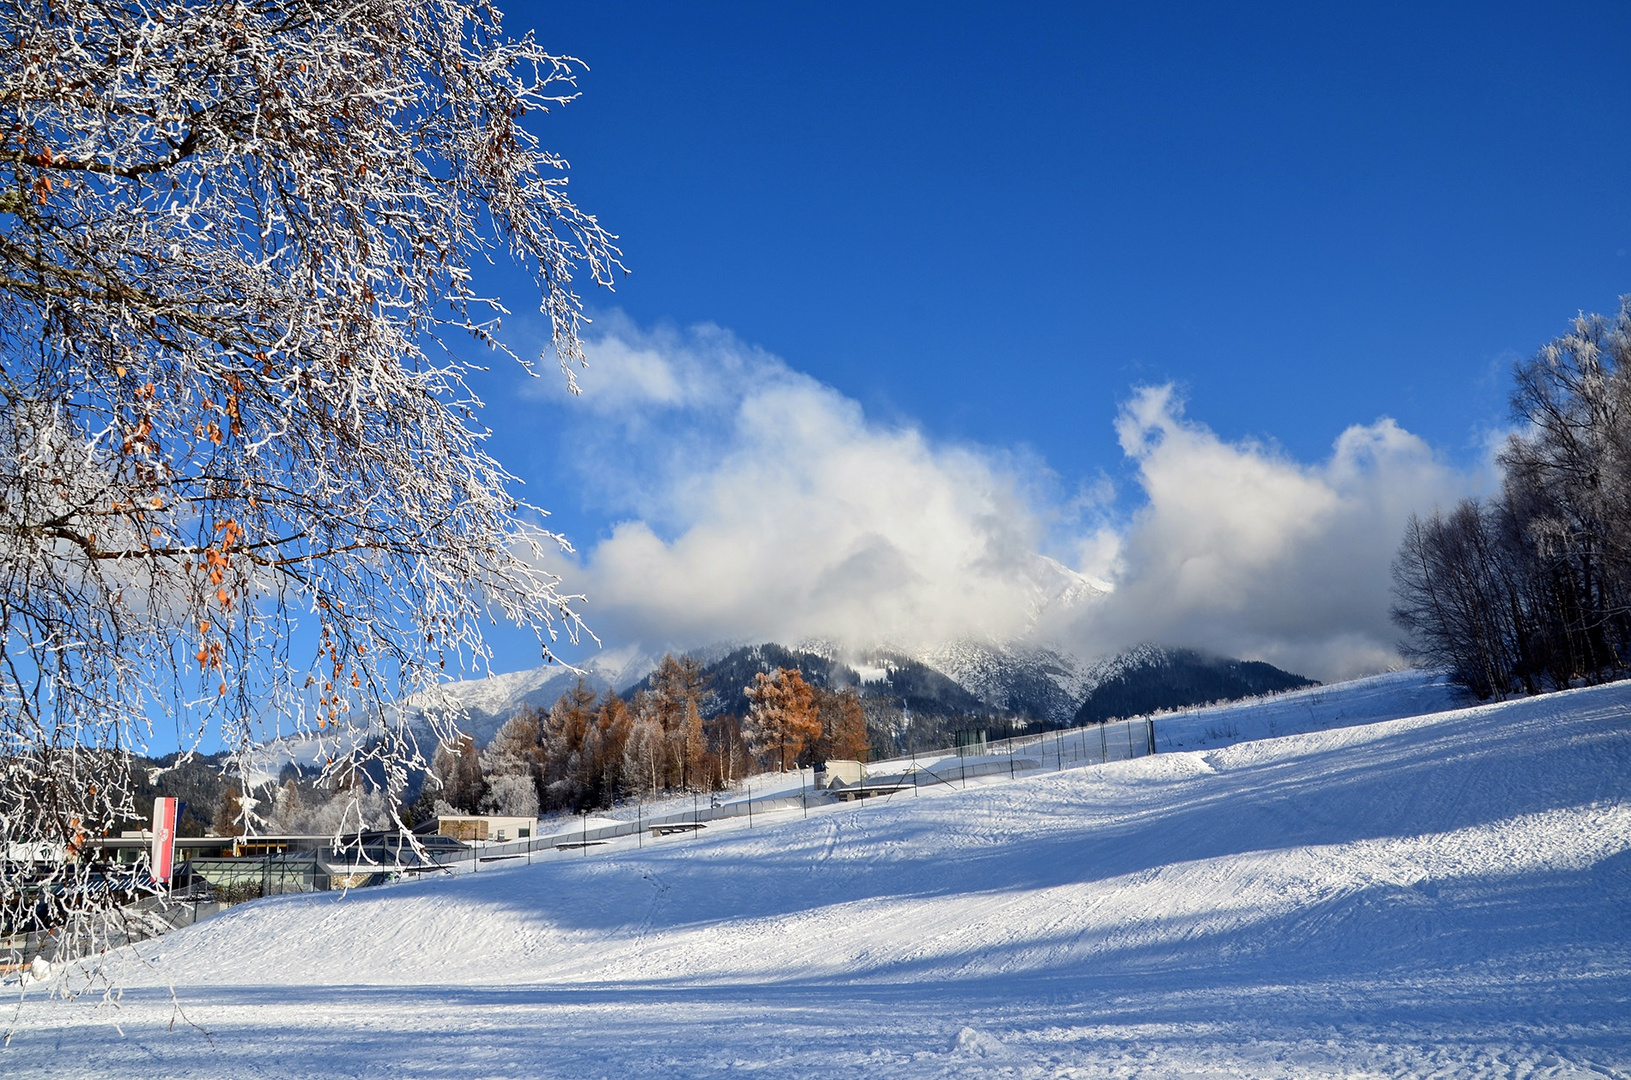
{"points": [[1026, 677], [1150, 679], [1020, 677], [1033, 680], [1020, 681], [487, 703], [1055, 592]]}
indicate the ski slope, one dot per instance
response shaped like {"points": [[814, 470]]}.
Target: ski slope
{"points": [[1442, 895]]}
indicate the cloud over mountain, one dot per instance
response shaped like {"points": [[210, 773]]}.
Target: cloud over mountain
{"points": [[762, 504], [753, 502], [1245, 551]]}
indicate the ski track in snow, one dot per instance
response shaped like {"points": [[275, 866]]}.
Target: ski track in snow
{"points": [[1446, 895]]}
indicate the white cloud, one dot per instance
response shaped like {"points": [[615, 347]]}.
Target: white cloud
{"points": [[759, 504], [796, 516], [1243, 550], [630, 373]]}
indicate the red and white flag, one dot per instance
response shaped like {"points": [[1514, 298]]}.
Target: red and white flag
{"points": [[164, 839]]}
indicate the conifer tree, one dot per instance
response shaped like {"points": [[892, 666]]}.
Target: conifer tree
{"points": [[782, 718]]}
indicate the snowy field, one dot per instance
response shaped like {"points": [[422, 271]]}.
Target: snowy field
{"points": [[1445, 895]]}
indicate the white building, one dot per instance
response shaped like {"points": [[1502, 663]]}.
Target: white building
{"points": [[472, 828]]}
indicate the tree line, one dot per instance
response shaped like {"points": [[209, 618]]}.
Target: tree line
{"points": [[592, 750], [1530, 590]]}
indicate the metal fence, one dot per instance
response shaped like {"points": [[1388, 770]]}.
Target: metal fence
{"points": [[906, 776], [97, 932], [1066, 748]]}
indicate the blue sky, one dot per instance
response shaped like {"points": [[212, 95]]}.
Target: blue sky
{"points": [[985, 230]]}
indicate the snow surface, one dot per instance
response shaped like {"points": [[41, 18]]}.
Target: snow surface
{"points": [[1391, 696], [1444, 895]]}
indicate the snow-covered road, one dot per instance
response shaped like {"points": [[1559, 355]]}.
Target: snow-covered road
{"points": [[1447, 895]]}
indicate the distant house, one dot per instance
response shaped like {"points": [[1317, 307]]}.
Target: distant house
{"points": [[472, 828], [838, 773]]}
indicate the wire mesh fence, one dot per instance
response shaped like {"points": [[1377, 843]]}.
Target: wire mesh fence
{"points": [[1065, 748], [96, 932], [912, 774]]}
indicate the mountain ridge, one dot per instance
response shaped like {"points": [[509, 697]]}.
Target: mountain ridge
{"points": [[958, 685]]}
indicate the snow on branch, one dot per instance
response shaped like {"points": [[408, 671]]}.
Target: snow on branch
{"points": [[241, 481]]}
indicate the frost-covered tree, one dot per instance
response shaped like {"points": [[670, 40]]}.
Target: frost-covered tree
{"points": [[1568, 482], [510, 766], [511, 795], [456, 776], [516, 748], [241, 480], [645, 751], [317, 811], [288, 807], [1534, 588]]}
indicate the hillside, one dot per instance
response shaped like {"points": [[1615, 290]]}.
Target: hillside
{"points": [[1149, 680], [1442, 895]]}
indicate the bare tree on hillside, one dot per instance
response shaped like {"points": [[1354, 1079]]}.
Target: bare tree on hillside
{"points": [[1448, 588]]}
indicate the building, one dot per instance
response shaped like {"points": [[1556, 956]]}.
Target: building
{"points": [[481, 828]]}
